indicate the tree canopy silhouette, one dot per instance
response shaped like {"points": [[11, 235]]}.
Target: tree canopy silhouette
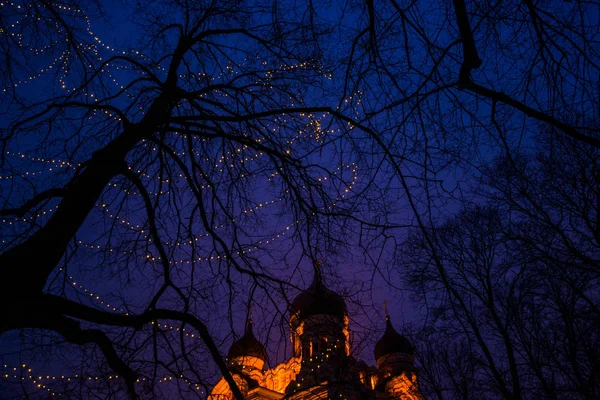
{"points": [[164, 163]]}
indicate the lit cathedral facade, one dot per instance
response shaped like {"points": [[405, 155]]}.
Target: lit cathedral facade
{"points": [[321, 366]]}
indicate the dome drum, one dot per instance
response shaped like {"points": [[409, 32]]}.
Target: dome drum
{"points": [[246, 362], [321, 324], [389, 364]]}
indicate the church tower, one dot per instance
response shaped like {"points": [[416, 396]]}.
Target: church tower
{"points": [[395, 359], [246, 359], [320, 366], [319, 324]]}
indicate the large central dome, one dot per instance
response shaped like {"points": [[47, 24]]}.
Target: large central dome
{"points": [[317, 299]]}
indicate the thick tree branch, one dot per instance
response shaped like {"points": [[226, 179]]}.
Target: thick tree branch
{"points": [[79, 311], [249, 117], [44, 249], [35, 200], [72, 332], [44, 312], [471, 59], [533, 113]]}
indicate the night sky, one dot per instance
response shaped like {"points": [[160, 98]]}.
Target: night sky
{"points": [[162, 159]]}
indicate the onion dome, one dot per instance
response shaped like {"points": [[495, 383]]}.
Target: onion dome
{"points": [[247, 346], [392, 342], [317, 299]]}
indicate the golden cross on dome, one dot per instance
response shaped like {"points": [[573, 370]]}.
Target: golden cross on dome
{"points": [[250, 307], [317, 271]]}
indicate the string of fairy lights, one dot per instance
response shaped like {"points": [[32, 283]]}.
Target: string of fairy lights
{"points": [[222, 160], [314, 126], [37, 381], [24, 374], [64, 58], [56, 164], [60, 64]]}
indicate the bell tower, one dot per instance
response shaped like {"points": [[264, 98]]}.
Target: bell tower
{"points": [[319, 324], [395, 359]]}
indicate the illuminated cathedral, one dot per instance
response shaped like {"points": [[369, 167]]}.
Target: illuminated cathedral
{"points": [[321, 366]]}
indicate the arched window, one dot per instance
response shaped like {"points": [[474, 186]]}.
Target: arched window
{"points": [[324, 343], [315, 346], [373, 381], [296, 345]]}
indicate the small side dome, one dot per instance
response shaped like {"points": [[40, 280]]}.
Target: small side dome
{"points": [[392, 342], [247, 346], [317, 299]]}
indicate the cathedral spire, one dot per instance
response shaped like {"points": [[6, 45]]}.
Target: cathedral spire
{"points": [[387, 314], [249, 322], [318, 276]]}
